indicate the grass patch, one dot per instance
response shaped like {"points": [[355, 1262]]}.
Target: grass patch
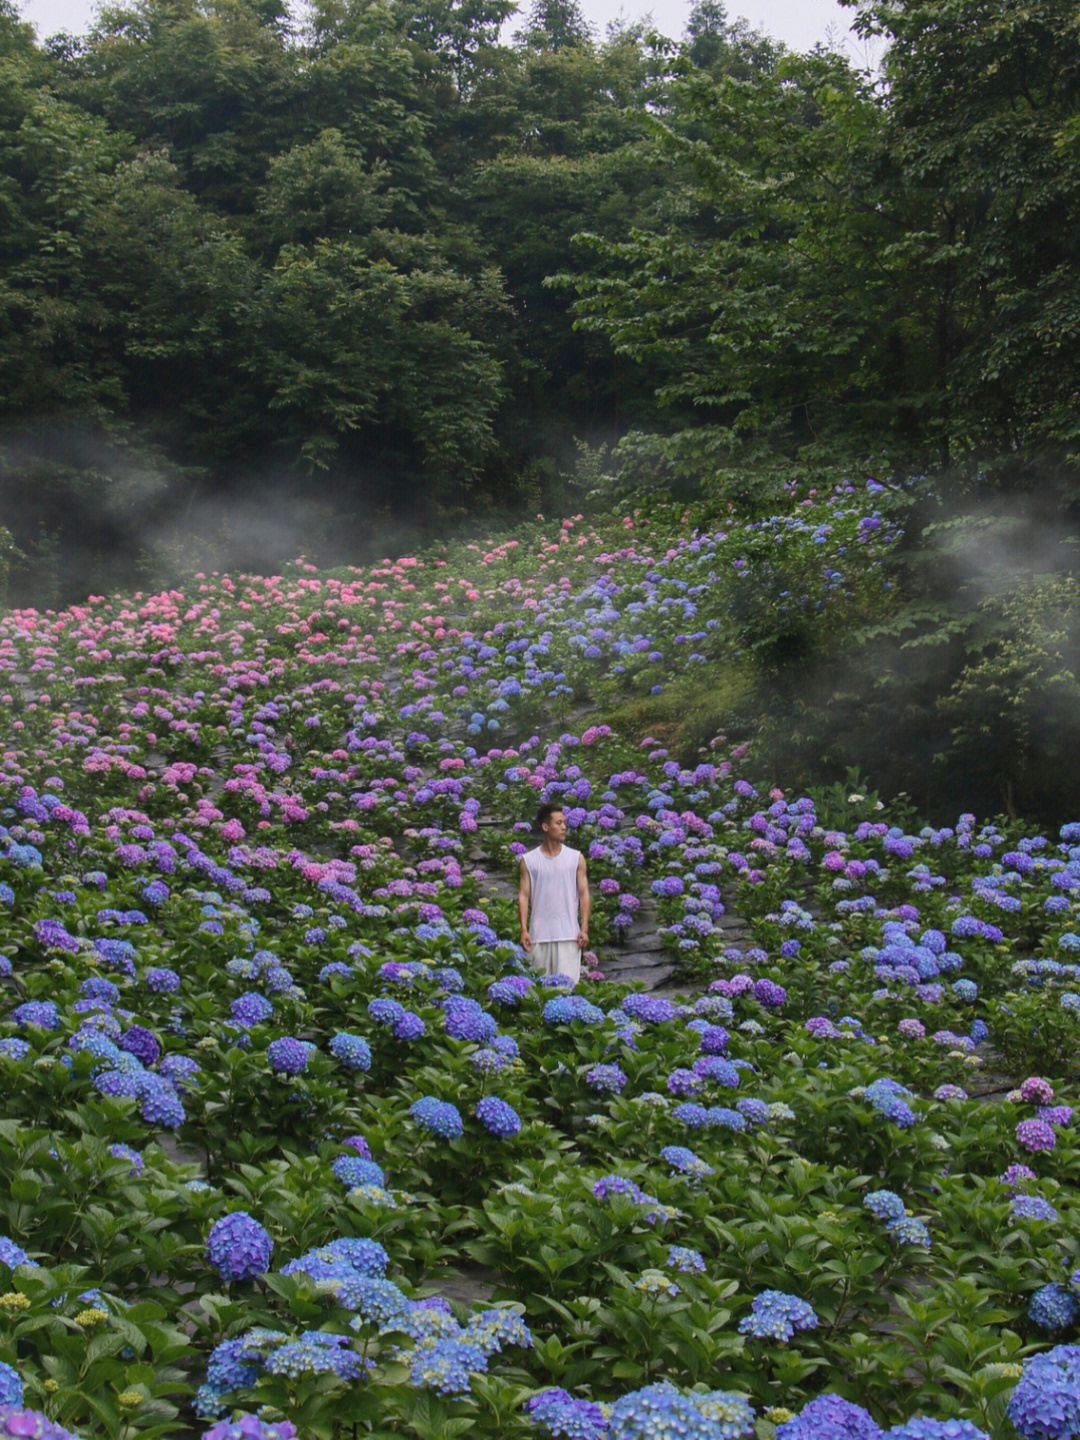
{"points": [[691, 710]]}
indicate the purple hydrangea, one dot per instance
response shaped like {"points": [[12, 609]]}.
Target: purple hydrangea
{"points": [[141, 1043], [1035, 1135], [250, 1427], [162, 981], [828, 1417], [238, 1247], [288, 1056], [606, 1077], [32, 1425], [497, 1117]]}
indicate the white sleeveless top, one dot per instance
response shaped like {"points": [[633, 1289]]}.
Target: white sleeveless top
{"points": [[554, 908]]}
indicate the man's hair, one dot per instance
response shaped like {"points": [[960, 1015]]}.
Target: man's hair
{"points": [[545, 813]]}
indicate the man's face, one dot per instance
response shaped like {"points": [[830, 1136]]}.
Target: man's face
{"points": [[555, 826]]}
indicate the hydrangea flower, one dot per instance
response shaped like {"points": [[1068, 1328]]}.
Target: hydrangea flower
{"points": [[689, 1262], [661, 1410], [446, 1365], [32, 1424], [238, 1247], [611, 1078], [438, 1116], [776, 1316], [1035, 1135], [11, 1387], [11, 1254], [828, 1417], [497, 1117], [1053, 1307], [288, 1056], [250, 1427], [920, 1429], [352, 1050], [885, 1205], [1046, 1403], [685, 1161]]}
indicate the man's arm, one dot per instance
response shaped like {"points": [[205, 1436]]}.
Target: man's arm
{"points": [[524, 896], [584, 902]]}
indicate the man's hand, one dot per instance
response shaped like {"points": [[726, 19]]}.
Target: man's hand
{"points": [[582, 939], [526, 941]]}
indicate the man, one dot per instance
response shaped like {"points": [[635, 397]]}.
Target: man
{"points": [[553, 882]]}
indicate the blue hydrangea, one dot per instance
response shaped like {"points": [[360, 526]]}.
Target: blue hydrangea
{"points": [[11, 1386], [316, 1352], [1032, 1207], [346, 1256], [565, 1418], [565, 1009], [1053, 1307], [776, 1316], [409, 1026], [721, 1117], [250, 1427], [42, 1013], [351, 1170], [886, 1096], [689, 1262], [658, 1411], [491, 1329], [288, 1056], [694, 1117], [161, 1105], [445, 1365], [919, 1429], [686, 1162], [376, 1301], [1046, 1402], [611, 1078], [438, 1116], [909, 1231], [352, 1050], [385, 1011], [885, 1205]]}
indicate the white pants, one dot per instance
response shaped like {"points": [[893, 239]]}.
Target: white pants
{"points": [[557, 957]]}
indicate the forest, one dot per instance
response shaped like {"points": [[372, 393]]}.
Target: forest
{"points": [[338, 285]]}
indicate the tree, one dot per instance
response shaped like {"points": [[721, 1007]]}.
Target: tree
{"points": [[771, 300], [556, 25], [977, 96]]}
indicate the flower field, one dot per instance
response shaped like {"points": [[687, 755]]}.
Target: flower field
{"points": [[294, 1143]]}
